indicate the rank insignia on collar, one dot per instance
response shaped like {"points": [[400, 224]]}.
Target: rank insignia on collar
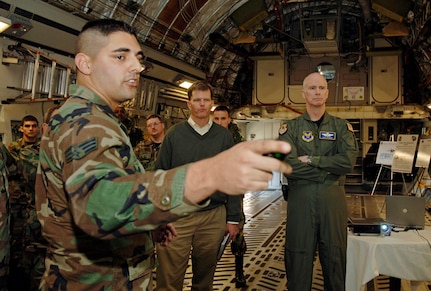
{"points": [[283, 129], [307, 136], [328, 135]]}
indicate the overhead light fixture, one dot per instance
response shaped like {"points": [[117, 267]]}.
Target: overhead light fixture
{"points": [[20, 25], [183, 82], [5, 23]]}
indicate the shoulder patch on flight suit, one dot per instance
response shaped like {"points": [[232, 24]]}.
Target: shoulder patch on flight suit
{"points": [[79, 151], [307, 136], [283, 129], [350, 127]]}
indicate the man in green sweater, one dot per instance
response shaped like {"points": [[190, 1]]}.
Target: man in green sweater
{"points": [[200, 232]]}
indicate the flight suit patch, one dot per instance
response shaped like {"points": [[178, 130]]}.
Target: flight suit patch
{"points": [[328, 135], [79, 151], [283, 129], [307, 136], [350, 127]]}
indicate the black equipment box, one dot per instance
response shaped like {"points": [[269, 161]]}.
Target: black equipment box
{"points": [[369, 226]]}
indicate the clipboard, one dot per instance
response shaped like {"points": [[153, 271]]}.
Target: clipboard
{"points": [[222, 246]]}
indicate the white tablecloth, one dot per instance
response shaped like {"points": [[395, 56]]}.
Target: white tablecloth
{"points": [[404, 255]]}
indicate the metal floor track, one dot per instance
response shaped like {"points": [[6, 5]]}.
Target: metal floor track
{"points": [[264, 231]]}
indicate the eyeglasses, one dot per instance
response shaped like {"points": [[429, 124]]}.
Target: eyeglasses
{"points": [[153, 124]]}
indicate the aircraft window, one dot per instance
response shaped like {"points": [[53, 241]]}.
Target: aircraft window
{"points": [[327, 70]]}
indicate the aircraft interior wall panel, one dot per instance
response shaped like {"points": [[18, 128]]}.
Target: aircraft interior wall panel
{"points": [[269, 81], [298, 69], [347, 76], [262, 129], [353, 85], [385, 80]]}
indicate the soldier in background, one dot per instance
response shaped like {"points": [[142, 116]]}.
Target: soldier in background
{"points": [[221, 116], [25, 152], [5, 160], [147, 150], [34, 245]]}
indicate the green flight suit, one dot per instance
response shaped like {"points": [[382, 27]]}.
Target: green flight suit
{"points": [[317, 210]]}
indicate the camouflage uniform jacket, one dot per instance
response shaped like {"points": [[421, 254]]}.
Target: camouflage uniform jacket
{"points": [[95, 202], [5, 160], [146, 151], [236, 134], [26, 156]]}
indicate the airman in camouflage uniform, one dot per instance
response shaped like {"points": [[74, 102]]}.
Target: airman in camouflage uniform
{"points": [[5, 160], [100, 212], [27, 248], [148, 149]]}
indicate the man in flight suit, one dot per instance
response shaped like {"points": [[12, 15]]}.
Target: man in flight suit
{"points": [[324, 149]]}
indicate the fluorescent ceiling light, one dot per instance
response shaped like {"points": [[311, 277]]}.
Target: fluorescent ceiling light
{"points": [[182, 81], [185, 84], [5, 23]]}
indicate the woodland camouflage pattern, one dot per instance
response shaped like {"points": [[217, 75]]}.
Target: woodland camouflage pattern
{"points": [[27, 244], [146, 151], [5, 158], [95, 203], [236, 134]]}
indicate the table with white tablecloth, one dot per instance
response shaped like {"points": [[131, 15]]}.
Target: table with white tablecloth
{"points": [[403, 254]]}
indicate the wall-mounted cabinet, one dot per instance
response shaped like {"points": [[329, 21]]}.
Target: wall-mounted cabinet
{"points": [[385, 80]]}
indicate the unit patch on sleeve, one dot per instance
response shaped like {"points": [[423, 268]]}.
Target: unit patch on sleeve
{"points": [[327, 135], [350, 127], [307, 136], [283, 129], [79, 151]]}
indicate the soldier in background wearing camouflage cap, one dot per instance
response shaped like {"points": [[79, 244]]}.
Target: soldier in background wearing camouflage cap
{"points": [[100, 211]]}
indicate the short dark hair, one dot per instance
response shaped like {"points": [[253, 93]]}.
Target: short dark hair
{"points": [[29, 118], [222, 108], [103, 27], [107, 26], [154, 116], [200, 86]]}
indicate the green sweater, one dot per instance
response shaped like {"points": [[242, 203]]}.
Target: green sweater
{"points": [[183, 145]]}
